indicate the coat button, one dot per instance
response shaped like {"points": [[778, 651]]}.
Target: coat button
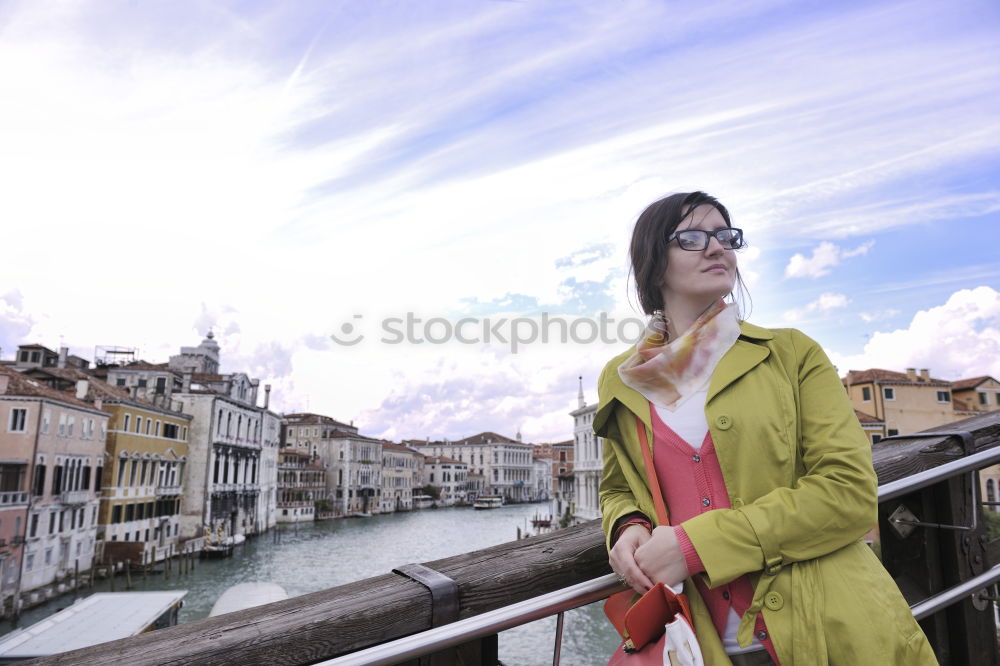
{"points": [[762, 635], [696, 458], [724, 422], [705, 501], [725, 595], [774, 601]]}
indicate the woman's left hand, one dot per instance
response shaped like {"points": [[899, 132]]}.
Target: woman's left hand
{"points": [[661, 558]]}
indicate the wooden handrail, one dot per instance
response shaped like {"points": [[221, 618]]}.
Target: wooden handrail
{"points": [[336, 621]]}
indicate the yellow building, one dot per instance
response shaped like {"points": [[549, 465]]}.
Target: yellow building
{"points": [[911, 401], [143, 481]]}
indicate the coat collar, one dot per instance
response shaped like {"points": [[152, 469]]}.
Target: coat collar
{"points": [[746, 353]]}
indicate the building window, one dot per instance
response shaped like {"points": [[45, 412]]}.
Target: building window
{"points": [[18, 419], [46, 418], [866, 394], [888, 393], [142, 383], [161, 385], [38, 487], [120, 381], [892, 432], [982, 399], [125, 422], [138, 424], [944, 396], [876, 438]]}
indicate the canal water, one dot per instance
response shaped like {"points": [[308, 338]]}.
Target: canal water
{"points": [[315, 556]]}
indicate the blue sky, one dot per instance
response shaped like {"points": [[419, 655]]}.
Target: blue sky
{"points": [[276, 170]]}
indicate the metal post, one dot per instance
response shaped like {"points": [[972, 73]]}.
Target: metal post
{"points": [[559, 632]]}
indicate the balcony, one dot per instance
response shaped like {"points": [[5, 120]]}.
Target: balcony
{"points": [[16, 498], [75, 496], [168, 490]]}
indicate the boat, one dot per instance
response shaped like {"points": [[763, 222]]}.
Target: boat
{"points": [[488, 502], [222, 548], [99, 618], [247, 595], [423, 501]]}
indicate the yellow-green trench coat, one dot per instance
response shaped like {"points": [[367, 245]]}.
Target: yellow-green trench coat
{"points": [[799, 475]]}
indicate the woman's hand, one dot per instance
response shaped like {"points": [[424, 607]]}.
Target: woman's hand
{"points": [[623, 561], [660, 557]]}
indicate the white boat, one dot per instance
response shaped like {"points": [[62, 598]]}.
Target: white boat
{"points": [[488, 502], [247, 595], [422, 501], [99, 618]]}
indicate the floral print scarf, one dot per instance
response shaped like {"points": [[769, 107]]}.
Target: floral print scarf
{"points": [[668, 373]]}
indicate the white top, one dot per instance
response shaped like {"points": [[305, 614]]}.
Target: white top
{"points": [[688, 420]]}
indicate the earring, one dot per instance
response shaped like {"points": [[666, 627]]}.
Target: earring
{"points": [[659, 324]]}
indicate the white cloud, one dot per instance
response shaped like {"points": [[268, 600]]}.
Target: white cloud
{"points": [[823, 258], [825, 303], [958, 339]]}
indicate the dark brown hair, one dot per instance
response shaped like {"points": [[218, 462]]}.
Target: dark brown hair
{"points": [[648, 251]]}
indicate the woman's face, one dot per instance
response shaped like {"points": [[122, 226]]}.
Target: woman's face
{"points": [[699, 278]]}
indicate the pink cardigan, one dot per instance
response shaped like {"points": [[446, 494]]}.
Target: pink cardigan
{"points": [[692, 484]]}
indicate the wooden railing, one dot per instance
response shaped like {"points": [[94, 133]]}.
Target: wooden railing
{"points": [[344, 619]]}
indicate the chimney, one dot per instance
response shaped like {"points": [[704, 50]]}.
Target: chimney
{"points": [[63, 353], [186, 382], [267, 395], [911, 374], [98, 403], [4, 379], [925, 375], [81, 388]]}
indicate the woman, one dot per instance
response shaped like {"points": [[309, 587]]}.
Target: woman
{"points": [[763, 465]]}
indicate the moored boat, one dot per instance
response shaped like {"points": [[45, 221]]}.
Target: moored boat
{"points": [[488, 502]]}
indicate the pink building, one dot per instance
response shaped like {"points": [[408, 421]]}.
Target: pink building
{"points": [[51, 452]]}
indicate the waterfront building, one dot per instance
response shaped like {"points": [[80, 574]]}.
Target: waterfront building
{"points": [[542, 475], [301, 484], [222, 496], [449, 476], [564, 481], [353, 461], [587, 461], [505, 464], [398, 464], [267, 501], [53, 443], [142, 480]]}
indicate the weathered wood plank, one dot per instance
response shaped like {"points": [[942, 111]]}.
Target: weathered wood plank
{"points": [[343, 619]]}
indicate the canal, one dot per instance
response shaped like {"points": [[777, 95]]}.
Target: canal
{"points": [[315, 556]]}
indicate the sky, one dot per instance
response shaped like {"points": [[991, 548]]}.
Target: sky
{"points": [[304, 178]]}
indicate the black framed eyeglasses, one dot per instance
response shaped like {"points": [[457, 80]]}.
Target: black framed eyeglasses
{"points": [[696, 240]]}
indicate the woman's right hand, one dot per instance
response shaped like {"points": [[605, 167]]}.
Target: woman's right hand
{"points": [[622, 558]]}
